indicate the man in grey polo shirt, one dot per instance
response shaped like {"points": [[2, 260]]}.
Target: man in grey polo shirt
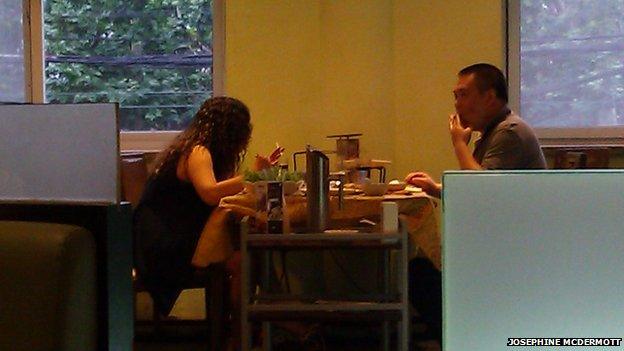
{"points": [[506, 142]]}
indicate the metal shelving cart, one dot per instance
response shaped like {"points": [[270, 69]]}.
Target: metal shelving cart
{"points": [[260, 304]]}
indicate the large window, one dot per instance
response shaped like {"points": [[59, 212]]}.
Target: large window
{"points": [[157, 58], [12, 84], [567, 68]]}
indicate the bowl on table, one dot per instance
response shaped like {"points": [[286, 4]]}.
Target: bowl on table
{"points": [[374, 189]]}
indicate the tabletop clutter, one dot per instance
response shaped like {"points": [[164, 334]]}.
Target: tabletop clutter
{"points": [[317, 186]]}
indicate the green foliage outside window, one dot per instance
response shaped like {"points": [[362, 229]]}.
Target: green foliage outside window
{"points": [[154, 57]]}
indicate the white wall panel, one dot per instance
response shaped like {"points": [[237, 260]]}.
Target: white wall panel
{"points": [[532, 254], [59, 153]]}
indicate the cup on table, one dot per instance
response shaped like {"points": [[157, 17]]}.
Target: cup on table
{"points": [[389, 216]]}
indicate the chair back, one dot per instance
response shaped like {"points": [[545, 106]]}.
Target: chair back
{"points": [[594, 158], [47, 287], [134, 175]]}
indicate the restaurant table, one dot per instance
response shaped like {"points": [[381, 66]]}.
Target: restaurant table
{"points": [[330, 273], [415, 209]]}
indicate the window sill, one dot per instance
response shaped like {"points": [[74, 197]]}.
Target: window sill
{"points": [[146, 141]]}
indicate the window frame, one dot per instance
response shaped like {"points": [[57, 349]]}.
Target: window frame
{"points": [[596, 136], [145, 141]]}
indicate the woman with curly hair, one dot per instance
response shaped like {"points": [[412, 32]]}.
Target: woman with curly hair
{"points": [[191, 177]]}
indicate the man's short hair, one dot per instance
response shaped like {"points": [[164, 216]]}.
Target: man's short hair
{"points": [[488, 77]]}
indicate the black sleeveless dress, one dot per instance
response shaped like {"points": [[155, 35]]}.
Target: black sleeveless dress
{"points": [[167, 224]]}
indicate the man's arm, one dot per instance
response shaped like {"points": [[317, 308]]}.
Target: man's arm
{"points": [[465, 158], [424, 181], [460, 137]]}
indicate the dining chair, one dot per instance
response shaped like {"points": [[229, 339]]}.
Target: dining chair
{"points": [[582, 158]]}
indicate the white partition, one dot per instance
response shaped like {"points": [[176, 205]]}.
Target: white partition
{"points": [[532, 254], [59, 153]]}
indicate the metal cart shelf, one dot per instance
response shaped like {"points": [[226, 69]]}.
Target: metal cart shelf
{"points": [[258, 305]]}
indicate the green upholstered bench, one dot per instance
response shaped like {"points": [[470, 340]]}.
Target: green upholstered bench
{"points": [[47, 287]]}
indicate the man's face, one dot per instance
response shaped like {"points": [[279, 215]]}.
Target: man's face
{"points": [[470, 103]]}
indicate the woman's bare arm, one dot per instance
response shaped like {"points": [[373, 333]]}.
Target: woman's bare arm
{"points": [[200, 172]]}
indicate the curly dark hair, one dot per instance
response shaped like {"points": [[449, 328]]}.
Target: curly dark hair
{"points": [[222, 125]]}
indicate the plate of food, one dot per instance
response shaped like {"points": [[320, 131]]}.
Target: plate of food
{"points": [[395, 185], [346, 191], [413, 189]]}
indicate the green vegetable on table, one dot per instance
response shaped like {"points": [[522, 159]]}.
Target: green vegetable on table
{"points": [[272, 174]]}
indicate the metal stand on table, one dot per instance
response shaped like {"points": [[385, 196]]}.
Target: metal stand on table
{"points": [[259, 305]]}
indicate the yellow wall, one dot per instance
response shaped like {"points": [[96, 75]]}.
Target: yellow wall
{"points": [[433, 40], [309, 68], [357, 88], [272, 64]]}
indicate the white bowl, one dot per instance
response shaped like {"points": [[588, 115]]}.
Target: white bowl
{"points": [[374, 189]]}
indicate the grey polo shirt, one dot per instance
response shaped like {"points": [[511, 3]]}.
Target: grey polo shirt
{"points": [[509, 143]]}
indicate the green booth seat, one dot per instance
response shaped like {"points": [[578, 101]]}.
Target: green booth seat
{"points": [[47, 287]]}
